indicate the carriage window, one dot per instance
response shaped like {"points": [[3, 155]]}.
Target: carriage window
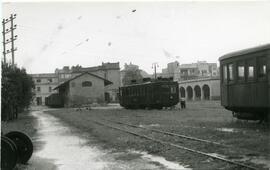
{"points": [[173, 90], [230, 72], [241, 71], [250, 72], [224, 73], [262, 66]]}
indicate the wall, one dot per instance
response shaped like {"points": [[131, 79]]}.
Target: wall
{"points": [[112, 89], [215, 89], [212, 83], [86, 95]]}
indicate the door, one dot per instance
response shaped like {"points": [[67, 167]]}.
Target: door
{"points": [[39, 100], [107, 97]]}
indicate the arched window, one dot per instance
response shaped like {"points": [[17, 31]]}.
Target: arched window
{"points": [[86, 84]]}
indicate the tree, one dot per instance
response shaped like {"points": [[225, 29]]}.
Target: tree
{"points": [[16, 91], [132, 74]]}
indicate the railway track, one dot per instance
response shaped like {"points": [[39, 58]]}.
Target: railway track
{"points": [[183, 136], [166, 143]]}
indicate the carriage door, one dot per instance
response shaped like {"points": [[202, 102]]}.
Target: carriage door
{"points": [[224, 87]]}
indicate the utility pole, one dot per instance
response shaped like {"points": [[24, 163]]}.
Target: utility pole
{"points": [[11, 39], [155, 65]]}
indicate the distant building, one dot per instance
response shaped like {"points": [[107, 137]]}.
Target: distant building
{"points": [[109, 71], [172, 68], [170, 71], [131, 66], [197, 70], [189, 71], [85, 88], [44, 85]]}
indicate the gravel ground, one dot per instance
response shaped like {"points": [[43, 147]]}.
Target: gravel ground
{"points": [[206, 120]]}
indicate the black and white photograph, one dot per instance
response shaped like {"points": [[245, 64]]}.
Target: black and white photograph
{"points": [[135, 85]]}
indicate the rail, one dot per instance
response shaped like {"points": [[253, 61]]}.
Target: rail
{"points": [[173, 145]]}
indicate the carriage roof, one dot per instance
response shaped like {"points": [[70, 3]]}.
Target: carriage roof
{"points": [[245, 51]]}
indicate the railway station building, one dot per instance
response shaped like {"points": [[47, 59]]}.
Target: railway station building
{"points": [[46, 82], [83, 89], [108, 71]]}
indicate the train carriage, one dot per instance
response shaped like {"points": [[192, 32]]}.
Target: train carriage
{"points": [[54, 100], [153, 94], [245, 83]]}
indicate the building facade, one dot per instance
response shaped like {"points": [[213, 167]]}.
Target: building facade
{"points": [[197, 70], [109, 71], [200, 89], [83, 89], [44, 85]]}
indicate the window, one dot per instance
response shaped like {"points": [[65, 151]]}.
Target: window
{"points": [[165, 88], [250, 72], [250, 69], [224, 73], [38, 89], [173, 90], [121, 92], [86, 84], [262, 66], [49, 80], [50, 89], [67, 76], [241, 71], [38, 80], [73, 84], [230, 72]]}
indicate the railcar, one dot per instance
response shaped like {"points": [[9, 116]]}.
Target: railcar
{"points": [[54, 100], [152, 94], [245, 83]]}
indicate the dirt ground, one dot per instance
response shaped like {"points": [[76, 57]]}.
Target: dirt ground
{"points": [[205, 120], [25, 123]]}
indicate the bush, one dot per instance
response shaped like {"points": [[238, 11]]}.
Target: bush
{"points": [[16, 91]]}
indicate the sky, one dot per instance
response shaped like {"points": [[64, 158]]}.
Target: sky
{"points": [[56, 34]]}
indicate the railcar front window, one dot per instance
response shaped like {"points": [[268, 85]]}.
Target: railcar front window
{"points": [[230, 72], [224, 73], [173, 90], [165, 88]]}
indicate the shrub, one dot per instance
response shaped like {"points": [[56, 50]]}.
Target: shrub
{"points": [[16, 91]]}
